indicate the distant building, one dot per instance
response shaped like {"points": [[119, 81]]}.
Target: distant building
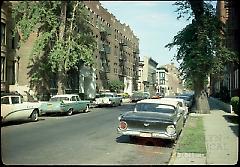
{"points": [[147, 79], [175, 85], [162, 81]]}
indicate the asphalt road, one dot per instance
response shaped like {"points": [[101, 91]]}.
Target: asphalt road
{"points": [[84, 138]]}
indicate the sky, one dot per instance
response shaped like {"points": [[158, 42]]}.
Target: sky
{"points": [[155, 23]]}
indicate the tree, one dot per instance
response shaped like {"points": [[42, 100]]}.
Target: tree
{"points": [[64, 40], [116, 86], [200, 49]]}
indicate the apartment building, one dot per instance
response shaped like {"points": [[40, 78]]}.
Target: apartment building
{"points": [[147, 75], [117, 56], [228, 13], [162, 81], [175, 85], [9, 62]]}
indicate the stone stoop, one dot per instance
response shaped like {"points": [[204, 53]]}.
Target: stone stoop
{"points": [[25, 91]]}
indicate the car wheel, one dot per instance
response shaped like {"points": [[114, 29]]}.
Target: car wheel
{"points": [[87, 109], [70, 112], [34, 115]]}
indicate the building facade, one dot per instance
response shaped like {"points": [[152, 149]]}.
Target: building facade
{"points": [[175, 85], [9, 61], [147, 78], [228, 13], [162, 81], [117, 56]]}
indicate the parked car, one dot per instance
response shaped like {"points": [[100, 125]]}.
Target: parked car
{"points": [[65, 104], [13, 108], [182, 105], [108, 99], [152, 118], [158, 95], [137, 96], [188, 100]]}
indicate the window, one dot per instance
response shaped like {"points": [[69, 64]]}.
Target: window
{"points": [[5, 100], [2, 68], [13, 40], [78, 99], [15, 100], [73, 98], [3, 33]]}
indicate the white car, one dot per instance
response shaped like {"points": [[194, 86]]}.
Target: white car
{"points": [[108, 99], [13, 108], [182, 105]]}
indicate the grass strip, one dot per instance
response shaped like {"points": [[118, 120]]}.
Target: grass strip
{"points": [[192, 139]]}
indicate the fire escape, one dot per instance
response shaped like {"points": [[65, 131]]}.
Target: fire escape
{"points": [[122, 60], [104, 48], [135, 69]]}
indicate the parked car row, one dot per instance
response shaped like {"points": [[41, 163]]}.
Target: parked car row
{"points": [[13, 108]]}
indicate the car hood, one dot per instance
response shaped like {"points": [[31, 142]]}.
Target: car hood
{"points": [[151, 116]]}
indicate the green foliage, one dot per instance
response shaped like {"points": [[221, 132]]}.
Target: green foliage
{"points": [[199, 46], [44, 18], [116, 86], [235, 104]]}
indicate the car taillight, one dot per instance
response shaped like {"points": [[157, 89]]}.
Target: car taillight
{"points": [[123, 125]]}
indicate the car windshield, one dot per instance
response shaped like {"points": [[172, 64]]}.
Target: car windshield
{"points": [[106, 95], [59, 99], [187, 98], [154, 107]]}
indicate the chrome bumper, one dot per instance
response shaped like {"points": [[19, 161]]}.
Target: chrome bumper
{"points": [[148, 134]]}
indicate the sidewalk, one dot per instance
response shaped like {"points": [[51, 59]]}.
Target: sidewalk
{"points": [[221, 139]]}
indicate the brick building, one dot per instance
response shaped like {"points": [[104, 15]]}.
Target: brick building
{"points": [[228, 13], [116, 57], [9, 62]]}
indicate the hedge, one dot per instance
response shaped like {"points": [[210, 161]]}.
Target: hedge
{"points": [[235, 104]]}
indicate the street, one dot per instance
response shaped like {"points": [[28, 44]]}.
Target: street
{"points": [[84, 138]]}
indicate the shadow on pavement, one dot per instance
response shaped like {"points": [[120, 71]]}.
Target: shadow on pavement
{"points": [[145, 141], [233, 119], [235, 129], [11, 123], [213, 105]]}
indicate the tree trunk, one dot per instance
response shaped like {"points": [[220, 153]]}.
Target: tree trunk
{"points": [[201, 98], [61, 71]]}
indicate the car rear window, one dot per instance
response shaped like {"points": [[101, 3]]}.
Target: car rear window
{"points": [[154, 107]]}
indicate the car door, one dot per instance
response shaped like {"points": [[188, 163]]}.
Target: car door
{"points": [[179, 123], [80, 104]]}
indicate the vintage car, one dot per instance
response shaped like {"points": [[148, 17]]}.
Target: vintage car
{"points": [[13, 108], [137, 96], [182, 105], [158, 95], [152, 118], [108, 99], [65, 104], [188, 100]]}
